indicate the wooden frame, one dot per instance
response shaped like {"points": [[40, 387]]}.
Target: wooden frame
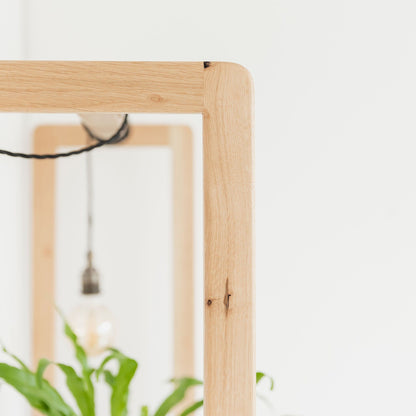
{"points": [[222, 92], [48, 139]]}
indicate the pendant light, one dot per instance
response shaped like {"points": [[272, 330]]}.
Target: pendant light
{"points": [[91, 321]]}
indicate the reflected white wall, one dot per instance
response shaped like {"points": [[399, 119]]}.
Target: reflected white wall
{"points": [[132, 250]]}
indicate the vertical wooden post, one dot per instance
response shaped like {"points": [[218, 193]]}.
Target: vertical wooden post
{"points": [[183, 247], [43, 250], [229, 283], [181, 143]]}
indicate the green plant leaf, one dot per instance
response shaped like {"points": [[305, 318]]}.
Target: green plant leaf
{"points": [[119, 382], [119, 398], [78, 390], [260, 376], [17, 359], [144, 411], [182, 386], [80, 353], [192, 408], [75, 385], [176, 397], [82, 358], [43, 398], [106, 360], [109, 378], [42, 366]]}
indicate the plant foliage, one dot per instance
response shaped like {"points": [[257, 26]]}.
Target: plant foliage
{"points": [[42, 396]]}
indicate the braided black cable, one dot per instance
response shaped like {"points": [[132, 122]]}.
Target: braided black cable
{"points": [[120, 135]]}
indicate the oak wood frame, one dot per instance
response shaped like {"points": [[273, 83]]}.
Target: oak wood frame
{"points": [[48, 139], [223, 93]]}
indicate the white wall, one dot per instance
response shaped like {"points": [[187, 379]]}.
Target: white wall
{"points": [[336, 194], [14, 218]]}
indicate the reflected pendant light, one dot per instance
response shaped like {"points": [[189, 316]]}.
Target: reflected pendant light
{"points": [[91, 321]]}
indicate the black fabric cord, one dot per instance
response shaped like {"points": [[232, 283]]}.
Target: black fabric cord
{"points": [[119, 136]]}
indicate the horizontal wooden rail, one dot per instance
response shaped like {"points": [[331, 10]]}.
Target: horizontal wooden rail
{"points": [[74, 87]]}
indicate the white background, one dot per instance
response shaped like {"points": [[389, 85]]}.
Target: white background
{"points": [[336, 178]]}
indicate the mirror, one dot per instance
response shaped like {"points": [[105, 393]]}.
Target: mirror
{"points": [[139, 189]]}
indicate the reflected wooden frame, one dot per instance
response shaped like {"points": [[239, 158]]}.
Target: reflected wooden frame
{"points": [[48, 139], [223, 93]]}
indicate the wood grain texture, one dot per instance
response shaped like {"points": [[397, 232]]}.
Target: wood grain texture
{"points": [[229, 282], [121, 87], [75, 135]]}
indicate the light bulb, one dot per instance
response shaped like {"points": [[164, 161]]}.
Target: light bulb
{"points": [[91, 321], [93, 324]]}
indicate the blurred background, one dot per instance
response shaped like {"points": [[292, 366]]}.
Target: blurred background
{"points": [[335, 184]]}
